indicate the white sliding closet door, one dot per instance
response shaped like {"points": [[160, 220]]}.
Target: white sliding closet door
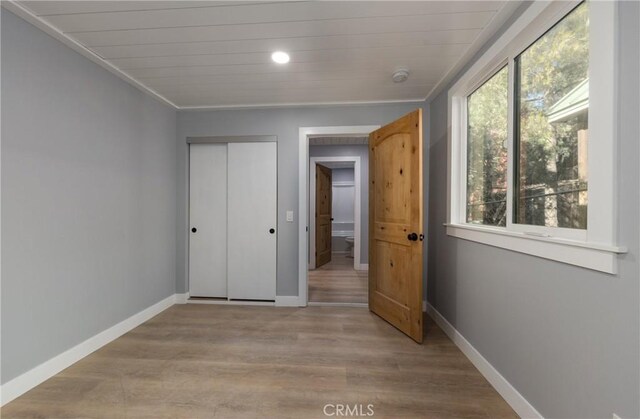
{"points": [[208, 220], [252, 200]]}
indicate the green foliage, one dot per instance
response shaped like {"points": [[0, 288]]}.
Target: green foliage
{"points": [[487, 152], [548, 70]]}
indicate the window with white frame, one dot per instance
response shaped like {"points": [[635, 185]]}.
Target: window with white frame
{"points": [[532, 141]]}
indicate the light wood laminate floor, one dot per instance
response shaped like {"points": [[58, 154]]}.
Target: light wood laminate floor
{"points": [[214, 361], [338, 282]]}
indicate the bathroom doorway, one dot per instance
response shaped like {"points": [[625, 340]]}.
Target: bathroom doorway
{"points": [[338, 257]]}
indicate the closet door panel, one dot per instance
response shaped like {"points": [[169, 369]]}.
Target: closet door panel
{"points": [[252, 207], [208, 220]]}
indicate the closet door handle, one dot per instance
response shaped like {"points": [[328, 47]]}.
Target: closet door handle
{"points": [[272, 230], [413, 237], [193, 230]]}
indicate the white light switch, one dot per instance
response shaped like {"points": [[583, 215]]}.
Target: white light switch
{"points": [[289, 216]]}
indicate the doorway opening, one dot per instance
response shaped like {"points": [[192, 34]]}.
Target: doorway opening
{"points": [[336, 273], [335, 206], [334, 201]]}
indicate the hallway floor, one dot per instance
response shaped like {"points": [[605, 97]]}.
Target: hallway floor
{"points": [[214, 361], [338, 282]]}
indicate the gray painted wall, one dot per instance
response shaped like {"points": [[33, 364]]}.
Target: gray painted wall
{"points": [[88, 198], [343, 198], [284, 123], [565, 337], [363, 152], [340, 175]]}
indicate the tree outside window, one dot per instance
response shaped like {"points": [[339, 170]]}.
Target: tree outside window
{"points": [[550, 133], [552, 105], [487, 110]]}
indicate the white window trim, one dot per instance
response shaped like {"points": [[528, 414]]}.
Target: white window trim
{"points": [[595, 247]]}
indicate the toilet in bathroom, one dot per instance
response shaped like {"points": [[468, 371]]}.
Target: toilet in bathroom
{"points": [[349, 240]]}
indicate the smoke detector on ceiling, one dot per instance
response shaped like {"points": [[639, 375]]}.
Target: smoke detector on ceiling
{"points": [[400, 75]]}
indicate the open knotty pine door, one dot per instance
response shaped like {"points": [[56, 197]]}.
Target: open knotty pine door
{"points": [[323, 215], [395, 224]]}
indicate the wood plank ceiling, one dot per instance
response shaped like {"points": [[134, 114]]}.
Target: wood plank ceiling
{"points": [[218, 54]]}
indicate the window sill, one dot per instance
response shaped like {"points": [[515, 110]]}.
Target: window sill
{"points": [[594, 256]]}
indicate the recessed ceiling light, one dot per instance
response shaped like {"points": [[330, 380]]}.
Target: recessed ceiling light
{"points": [[280, 57]]}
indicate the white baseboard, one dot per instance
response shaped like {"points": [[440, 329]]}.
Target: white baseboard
{"points": [[230, 302], [363, 267], [522, 407], [321, 304], [182, 298], [25, 382], [287, 301]]}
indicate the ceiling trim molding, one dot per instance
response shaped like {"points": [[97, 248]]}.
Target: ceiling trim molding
{"points": [[26, 14], [293, 104], [499, 20]]}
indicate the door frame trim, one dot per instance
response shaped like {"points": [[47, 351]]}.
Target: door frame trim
{"points": [[304, 133], [357, 226], [233, 139]]}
